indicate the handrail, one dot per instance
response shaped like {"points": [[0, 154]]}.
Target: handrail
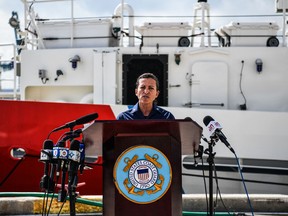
{"points": [[14, 92]]}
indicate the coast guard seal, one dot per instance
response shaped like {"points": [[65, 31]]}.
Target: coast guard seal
{"points": [[142, 174]]}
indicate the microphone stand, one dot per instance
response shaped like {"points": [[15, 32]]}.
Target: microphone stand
{"points": [[72, 185], [72, 194], [62, 164], [210, 161], [62, 194]]}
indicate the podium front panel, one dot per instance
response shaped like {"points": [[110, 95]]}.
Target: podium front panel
{"points": [[128, 198]]}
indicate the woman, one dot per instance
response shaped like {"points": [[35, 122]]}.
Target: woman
{"points": [[147, 91]]}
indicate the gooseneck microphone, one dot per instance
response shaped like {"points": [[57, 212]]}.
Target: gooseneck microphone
{"points": [[71, 135], [79, 121], [215, 130]]}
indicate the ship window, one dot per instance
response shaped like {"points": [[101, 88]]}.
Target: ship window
{"points": [[17, 153]]}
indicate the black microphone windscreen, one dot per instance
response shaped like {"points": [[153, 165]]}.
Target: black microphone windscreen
{"points": [[48, 144], [188, 119], [61, 144], [207, 120], [87, 118], [75, 145]]}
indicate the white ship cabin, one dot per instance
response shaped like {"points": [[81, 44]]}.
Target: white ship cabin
{"points": [[240, 65]]}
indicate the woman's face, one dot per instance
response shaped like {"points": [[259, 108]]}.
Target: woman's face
{"points": [[147, 91]]}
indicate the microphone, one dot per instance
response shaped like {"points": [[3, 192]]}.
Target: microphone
{"points": [[46, 157], [74, 158], [79, 121], [46, 152], [60, 153], [74, 153], [215, 129]]}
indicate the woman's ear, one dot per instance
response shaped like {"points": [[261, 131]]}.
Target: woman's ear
{"points": [[157, 94]]}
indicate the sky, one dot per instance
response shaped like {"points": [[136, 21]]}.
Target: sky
{"points": [[99, 8]]}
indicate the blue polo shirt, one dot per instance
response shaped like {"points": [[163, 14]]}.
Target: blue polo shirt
{"points": [[135, 113]]}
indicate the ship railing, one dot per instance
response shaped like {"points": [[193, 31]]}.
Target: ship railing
{"points": [[35, 37], [35, 40], [9, 73]]}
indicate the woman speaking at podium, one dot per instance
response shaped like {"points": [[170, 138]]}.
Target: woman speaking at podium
{"points": [[147, 90]]}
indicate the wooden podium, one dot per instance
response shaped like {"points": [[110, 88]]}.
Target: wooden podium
{"points": [[142, 164]]}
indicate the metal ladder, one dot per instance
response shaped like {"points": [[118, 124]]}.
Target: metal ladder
{"points": [[202, 21], [12, 91]]}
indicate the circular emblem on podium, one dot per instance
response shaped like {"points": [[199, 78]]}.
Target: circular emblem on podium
{"points": [[142, 174]]}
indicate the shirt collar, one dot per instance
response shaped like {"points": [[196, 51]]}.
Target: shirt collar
{"points": [[137, 109]]}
